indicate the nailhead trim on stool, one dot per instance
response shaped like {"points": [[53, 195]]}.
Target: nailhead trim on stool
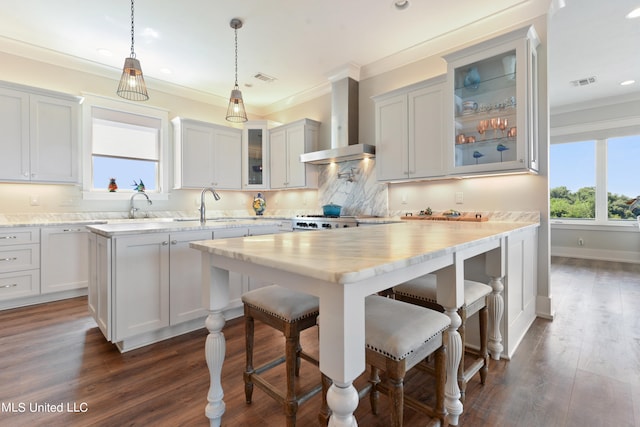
{"points": [[399, 336], [289, 312], [422, 291]]}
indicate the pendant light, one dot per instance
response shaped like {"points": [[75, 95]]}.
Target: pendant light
{"points": [[132, 84], [235, 111]]}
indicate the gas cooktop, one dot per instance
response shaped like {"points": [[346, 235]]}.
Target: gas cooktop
{"points": [[321, 222]]}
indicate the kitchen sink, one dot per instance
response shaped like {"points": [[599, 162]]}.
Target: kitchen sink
{"points": [[208, 220]]}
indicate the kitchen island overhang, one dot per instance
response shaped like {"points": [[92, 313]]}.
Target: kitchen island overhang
{"points": [[341, 268]]}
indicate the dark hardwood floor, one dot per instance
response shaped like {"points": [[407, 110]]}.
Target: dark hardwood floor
{"points": [[582, 369]]}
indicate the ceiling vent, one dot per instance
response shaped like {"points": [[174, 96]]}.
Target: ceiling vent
{"points": [[264, 77], [583, 82]]}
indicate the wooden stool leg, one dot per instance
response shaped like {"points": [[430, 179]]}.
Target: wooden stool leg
{"points": [[325, 412], [441, 379], [374, 394], [291, 353], [462, 383], [484, 342], [248, 336], [395, 376]]}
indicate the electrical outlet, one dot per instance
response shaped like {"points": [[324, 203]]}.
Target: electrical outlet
{"points": [[404, 198], [459, 197]]}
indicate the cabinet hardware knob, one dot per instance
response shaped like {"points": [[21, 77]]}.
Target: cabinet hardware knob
{"points": [[174, 242], [165, 243]]}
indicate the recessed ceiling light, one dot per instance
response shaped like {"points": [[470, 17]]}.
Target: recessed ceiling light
{"points": [[627, 82], [104, 52], [401, 4], [635, 13]]}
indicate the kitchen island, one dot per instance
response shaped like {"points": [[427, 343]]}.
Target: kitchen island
{"points": [[342, 268], [144, 280]]}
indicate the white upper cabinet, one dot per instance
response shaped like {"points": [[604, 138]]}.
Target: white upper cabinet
{"points": [[206, 155], [492, 105], [39, 136], [410, 132], [255, 155], [287, 143]]}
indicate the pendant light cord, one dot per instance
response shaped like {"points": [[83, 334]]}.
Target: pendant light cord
{"points": [[235, 29], [133, 54]]}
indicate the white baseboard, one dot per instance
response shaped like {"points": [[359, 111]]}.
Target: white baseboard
{"points": [[598, 254]]}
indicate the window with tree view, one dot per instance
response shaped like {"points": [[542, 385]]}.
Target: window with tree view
{"points": [[594, 180]]}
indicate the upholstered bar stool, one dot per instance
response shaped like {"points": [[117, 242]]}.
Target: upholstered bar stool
{"points": [[398, 336], [289, 312], [422, 291]]}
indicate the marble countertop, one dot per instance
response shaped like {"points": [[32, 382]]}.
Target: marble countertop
{"points": [[351, 254], [112, 229]]}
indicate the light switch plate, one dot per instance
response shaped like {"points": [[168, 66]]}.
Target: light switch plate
{"points": [[459, 197]]}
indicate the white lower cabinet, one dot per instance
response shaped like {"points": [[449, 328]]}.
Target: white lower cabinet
{"points": [[147, 287], [64, 259], [519, 291], [99, 298], [19, 263], [145, 268]]}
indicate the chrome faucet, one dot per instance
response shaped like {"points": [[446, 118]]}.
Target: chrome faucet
{"points": [[132, 209], [203, 213]]}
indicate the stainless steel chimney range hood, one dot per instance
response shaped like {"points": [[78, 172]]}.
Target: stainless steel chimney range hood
{"points": [[344, 124]]}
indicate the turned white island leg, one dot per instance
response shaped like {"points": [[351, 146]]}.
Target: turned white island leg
{"points": [[495, 304], [450, 294], [343, 401], [452, 402], [215, 348], [215, 297], [495, 269]]}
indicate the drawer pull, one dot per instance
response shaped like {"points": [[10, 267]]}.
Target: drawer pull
{"points": [[67, 230], [8, 237], [8, 259], [12, 285]]}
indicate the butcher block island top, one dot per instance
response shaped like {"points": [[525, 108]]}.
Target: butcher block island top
{"points": [[341, 267]]}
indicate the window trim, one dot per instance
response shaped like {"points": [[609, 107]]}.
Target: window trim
{"points": [[123, 107]]}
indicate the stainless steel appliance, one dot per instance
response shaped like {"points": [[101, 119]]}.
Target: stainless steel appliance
{"points": [[320, 222]]}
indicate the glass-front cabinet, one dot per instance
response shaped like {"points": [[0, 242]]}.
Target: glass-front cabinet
{"points": [[255, 155], [493, 105]]}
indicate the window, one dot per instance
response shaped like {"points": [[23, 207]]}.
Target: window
{"points": [[126, 143], [623, 182], [127, 153], [593, 180], [572, 189]]}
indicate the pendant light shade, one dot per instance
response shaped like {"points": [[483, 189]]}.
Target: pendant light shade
{"points": [[236, 112], [132, 85]]}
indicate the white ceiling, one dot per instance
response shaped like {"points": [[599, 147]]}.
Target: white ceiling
{"points": [[592, 38], [301, 43]]}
